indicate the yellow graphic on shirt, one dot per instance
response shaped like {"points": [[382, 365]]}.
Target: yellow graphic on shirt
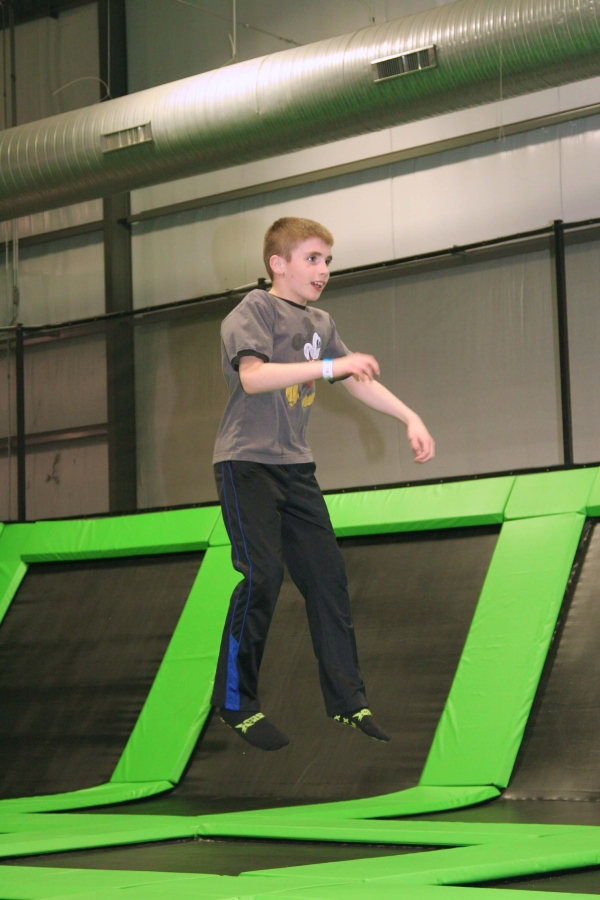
{"points": [[303, 392]]}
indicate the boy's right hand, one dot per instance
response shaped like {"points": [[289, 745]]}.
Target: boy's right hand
{"points": [[361, 366]]}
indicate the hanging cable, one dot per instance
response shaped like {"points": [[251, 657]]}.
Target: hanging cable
{"points": [[215, 15], [85, 78]]}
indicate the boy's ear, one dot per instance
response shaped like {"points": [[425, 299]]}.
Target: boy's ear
{"points": [[277, 264]]}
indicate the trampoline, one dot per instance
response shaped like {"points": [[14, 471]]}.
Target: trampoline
{"points": [[457, 592]]}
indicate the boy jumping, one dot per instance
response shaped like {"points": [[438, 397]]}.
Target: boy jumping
{"points": [[273, 351]]}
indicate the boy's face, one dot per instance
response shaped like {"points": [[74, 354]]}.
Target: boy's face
{"points": [[302, 278]]}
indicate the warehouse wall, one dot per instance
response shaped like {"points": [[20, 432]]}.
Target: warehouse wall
{"points": [[473, 347]]}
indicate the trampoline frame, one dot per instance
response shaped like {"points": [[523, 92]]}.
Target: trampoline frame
{"points": [[479, 733]]}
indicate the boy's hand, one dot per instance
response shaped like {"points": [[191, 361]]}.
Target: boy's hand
{"points": [[421, 441], [361, 366]]}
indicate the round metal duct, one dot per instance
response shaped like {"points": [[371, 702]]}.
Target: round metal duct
{"points": [[463, 54]]}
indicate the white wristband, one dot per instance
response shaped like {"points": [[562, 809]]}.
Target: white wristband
{"points": [[327, 369]]}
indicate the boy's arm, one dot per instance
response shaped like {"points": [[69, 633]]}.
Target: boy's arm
{"points": [[375, 395], [258, 377]]}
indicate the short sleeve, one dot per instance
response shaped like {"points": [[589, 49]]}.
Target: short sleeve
{"points": [[248, 331]]}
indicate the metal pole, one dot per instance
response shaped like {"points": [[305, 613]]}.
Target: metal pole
{"points": [[13, 65], [563, 341], [20, 392]]}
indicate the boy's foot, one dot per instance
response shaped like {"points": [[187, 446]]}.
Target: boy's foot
{"points": [[364, 721], [255, 729]]}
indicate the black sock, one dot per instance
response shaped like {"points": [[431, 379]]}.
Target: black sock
{"points": [[364, 721], [254, 728]]}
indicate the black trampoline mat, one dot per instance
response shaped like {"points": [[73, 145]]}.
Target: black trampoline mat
{"points": [[523, 812], [213, 857], [79, 649], [413, 601], [560, 756]]}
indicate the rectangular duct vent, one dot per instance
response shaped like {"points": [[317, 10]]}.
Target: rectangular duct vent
{"points": [[128, 137], [403, 63]]}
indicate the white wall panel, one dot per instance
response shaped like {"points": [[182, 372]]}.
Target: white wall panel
{"points": [[59, 281], [53, 53], [67, 480], [188, 255], [477, 193], [65, 384], [209, 250], [471, 350], [180, 398], [200, 31], [583, 292], [580, 152], [8, 487], [55, 219]]}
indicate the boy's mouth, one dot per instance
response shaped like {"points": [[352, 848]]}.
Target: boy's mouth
{"points": [[318, 285]]}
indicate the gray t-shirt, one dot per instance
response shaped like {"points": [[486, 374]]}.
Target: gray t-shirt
{"points": [[271, 427]]}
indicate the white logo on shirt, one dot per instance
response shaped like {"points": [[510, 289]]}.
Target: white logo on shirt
{"points": [[312, 351]]}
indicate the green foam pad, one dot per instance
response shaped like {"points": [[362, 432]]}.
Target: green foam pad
{"points": [[550, 493], [593, 505], [31, 882], [65, 823], [373, 831], [219, 536], [480, 730], [464, 865], [366, 891], [101, 795], [179, 701], [145, 533], [410, 802], [12, 573], [96, 833], [476, 502]]}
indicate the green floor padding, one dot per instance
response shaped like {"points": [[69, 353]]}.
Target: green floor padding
{"points": [[367, 891], [179, 701], [550, 493], [508, 858], [403, 831], [196, 886], [101, 795], [481, 727], [410, 802], [459, 504]]}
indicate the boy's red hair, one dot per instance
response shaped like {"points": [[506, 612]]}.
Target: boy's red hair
{"points": [[286, 234]]}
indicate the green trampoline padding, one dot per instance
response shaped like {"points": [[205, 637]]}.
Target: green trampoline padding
{"points": [[102, 795], [480, 730], [550, 494], [421, 508], [179, 701], [593, 504], [473, 750], [508, 858]]}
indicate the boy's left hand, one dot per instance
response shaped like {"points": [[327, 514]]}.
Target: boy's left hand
{"points": [[421, 442]]}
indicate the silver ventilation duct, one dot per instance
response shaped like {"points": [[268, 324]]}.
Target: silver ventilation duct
{"points": [[463, 54]]}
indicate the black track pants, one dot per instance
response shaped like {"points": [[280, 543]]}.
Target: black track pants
{"points": [[276, 514]]}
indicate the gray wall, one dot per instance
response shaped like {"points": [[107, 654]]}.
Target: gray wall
{"points": [[472, 348]]}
